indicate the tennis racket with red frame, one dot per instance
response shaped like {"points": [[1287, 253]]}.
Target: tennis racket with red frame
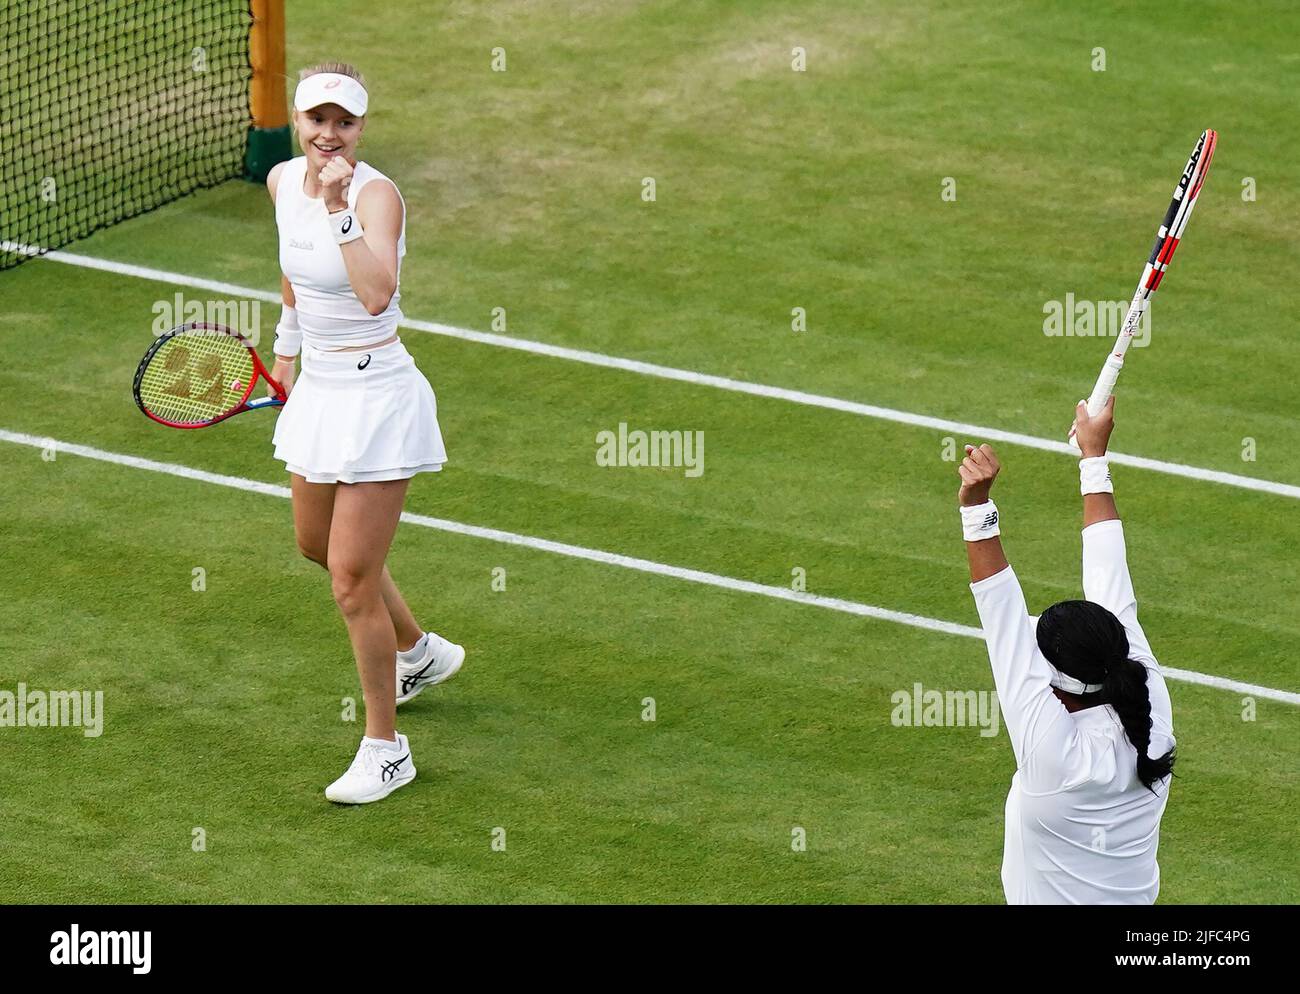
{"points": [[1167, 238], [199, 374]]}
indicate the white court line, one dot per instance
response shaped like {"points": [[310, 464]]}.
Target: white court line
{"points": [[612, 559], [958, 429]]}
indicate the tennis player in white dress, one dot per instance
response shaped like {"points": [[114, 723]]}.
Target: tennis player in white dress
{"points": [[1083, 701], [360, 420]]}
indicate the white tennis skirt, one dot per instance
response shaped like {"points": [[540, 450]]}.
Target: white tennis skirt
{"points": [[358, 417]]}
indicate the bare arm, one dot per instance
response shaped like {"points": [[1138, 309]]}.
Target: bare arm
{"points": [[372, 259], [282, 370], [985, 558], [273, 179], [1093, 436], [1099, 507], [978, 471]]}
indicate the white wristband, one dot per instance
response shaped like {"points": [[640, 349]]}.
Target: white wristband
{"points": [[1094, 476], [288, 337], [980, 522], [346, 226]]}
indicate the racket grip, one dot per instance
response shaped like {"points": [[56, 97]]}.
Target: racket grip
{"points": [[1105, 385], [1101, 392]]}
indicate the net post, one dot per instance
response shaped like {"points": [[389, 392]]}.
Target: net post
{"points": [[268, 138]]}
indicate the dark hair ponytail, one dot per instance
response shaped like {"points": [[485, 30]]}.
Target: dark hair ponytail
{"points": [[1088, 642], [1125, 690]]}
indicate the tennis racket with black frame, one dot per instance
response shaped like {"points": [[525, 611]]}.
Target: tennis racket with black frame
{"points": [[200, 374]]}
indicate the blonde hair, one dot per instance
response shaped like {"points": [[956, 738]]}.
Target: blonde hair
{"points": [[342, 68]]}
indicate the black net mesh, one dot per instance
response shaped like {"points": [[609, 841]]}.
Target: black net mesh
{"points": [[110, 108]]}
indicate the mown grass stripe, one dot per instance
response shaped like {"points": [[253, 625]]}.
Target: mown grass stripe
{"points": [[611, 559]]}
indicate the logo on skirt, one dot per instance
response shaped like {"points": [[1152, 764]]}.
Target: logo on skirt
{"points": [[364, 362]]}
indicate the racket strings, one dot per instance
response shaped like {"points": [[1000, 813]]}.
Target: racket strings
{"points": [[196, 377]]}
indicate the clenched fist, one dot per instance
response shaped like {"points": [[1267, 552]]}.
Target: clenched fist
{"points": [[334, 181], [978, 471], [1093, 434]]}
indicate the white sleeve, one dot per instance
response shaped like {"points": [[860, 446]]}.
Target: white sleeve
{"points": [[1035, 719], [1106, 581]]}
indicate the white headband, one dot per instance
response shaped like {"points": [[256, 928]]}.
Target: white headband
{"points": [[1063, 681], [1071, 685], [331, 88]]}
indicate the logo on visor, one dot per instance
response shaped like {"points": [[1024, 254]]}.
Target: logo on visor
{"points": [[332, 83], [364, 362]]}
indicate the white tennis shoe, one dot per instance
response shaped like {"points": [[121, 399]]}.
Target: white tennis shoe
{"points": [[440, 661], [374, 774]]}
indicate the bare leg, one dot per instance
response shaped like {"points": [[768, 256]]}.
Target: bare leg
{"points": [[404, 623], [313, 508], [365, 519]]}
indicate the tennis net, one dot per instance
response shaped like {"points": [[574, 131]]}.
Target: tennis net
{"points": [[110, 108]]}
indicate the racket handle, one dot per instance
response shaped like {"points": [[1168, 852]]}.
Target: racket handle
{"points": [[1105, 386], [261, 402], [1100, 392]]}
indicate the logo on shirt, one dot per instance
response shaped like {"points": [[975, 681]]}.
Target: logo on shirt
{"points": [[364, 362], [305, 246]]}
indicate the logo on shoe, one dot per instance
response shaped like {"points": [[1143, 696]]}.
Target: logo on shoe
{"points": [[411, 679], [391, 768]]}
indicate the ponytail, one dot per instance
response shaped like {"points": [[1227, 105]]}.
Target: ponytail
{"points": [[1125, 689]]}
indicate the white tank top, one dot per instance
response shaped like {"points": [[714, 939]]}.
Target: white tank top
{"points": [[329, 312]]}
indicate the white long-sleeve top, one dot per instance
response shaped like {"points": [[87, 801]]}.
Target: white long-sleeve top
{"points": [[1080, 826]]}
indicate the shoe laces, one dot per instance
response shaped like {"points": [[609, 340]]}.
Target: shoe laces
{"points": [[366, 760]]}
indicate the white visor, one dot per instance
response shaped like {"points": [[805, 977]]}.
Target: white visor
{"points": [[1059, 680], [331, 88], [1070, 684]]}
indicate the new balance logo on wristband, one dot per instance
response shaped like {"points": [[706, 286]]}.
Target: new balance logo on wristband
{"points": [[990, 520]]}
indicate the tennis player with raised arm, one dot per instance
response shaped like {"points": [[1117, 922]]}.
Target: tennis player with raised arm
{"points": [[361, 420], [1083, 701]]}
